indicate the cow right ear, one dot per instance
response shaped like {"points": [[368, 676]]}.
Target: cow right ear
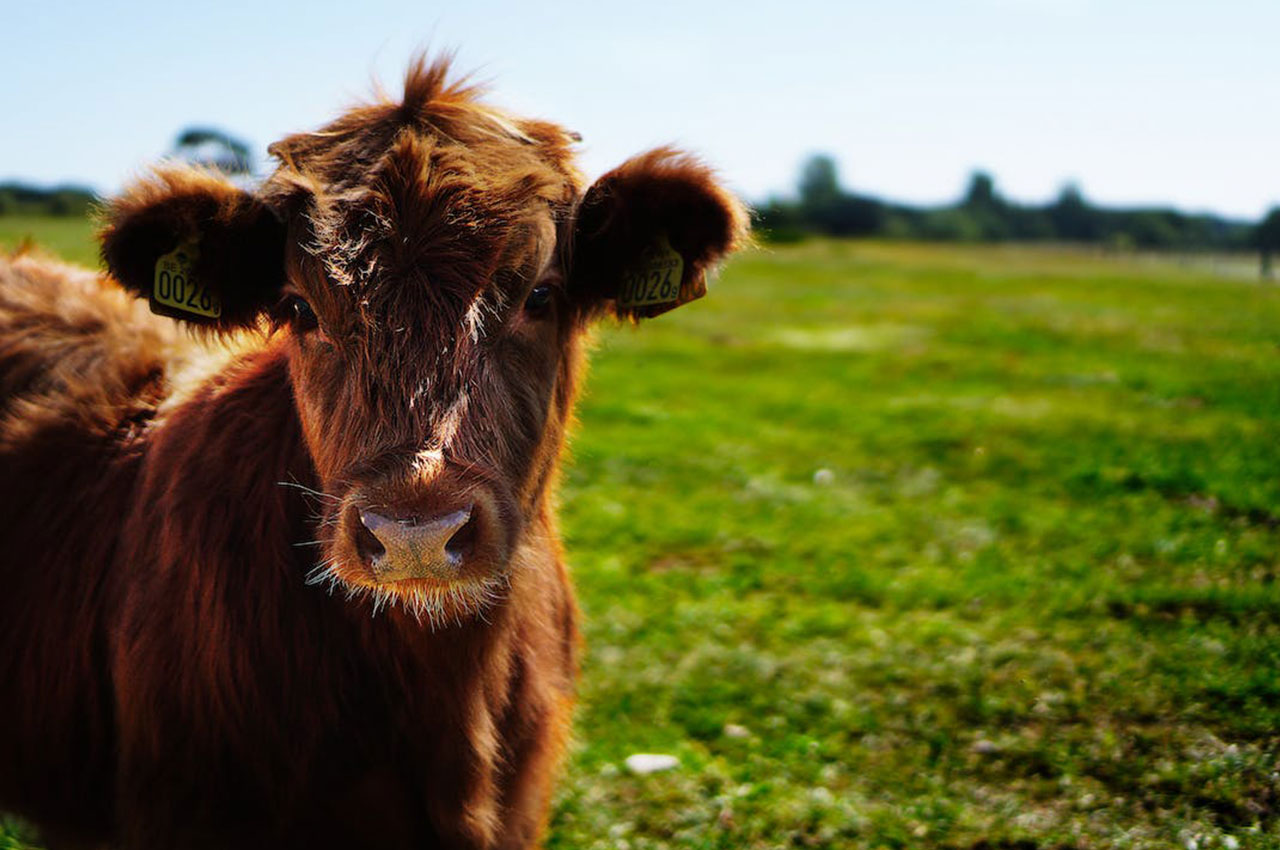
{"points": [[647, 233], [196, 246]]}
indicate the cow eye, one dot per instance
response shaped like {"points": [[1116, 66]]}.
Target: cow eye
{"points": [[298, 311], [539, 298]]}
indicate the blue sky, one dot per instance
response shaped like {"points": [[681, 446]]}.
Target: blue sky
{"points": [[1139, 101]]}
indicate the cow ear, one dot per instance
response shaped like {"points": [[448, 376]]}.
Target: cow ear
{"points": [[196, 246], [647, 233]]}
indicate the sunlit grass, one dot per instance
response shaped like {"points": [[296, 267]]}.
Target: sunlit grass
{"points": [[1031, 597], [67, 237], [973, 544]]}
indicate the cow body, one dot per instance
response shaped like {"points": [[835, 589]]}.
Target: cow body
{"points": [[294, 579], [263, 712]]}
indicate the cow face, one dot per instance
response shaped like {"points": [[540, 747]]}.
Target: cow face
{"points": [[428, 267]]}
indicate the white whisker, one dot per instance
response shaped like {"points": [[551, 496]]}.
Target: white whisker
{"points": [[308, 491]]}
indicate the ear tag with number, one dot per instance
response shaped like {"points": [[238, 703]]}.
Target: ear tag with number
{"points": [[176, 291], [655, 278]]}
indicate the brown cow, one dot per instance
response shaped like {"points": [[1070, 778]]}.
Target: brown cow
{"points": [[389, 338]]}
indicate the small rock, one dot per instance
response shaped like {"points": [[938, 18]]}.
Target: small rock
{"points": [[1230, 842], [983, 747], [733, 730], [823, 477], [642, 763]]}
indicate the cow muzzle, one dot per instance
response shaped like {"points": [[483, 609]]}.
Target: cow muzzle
{"points": [[417, 547], [453, 531]]}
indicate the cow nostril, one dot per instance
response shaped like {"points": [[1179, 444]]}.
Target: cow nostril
{"points": [[368, 547], [463, 541]]}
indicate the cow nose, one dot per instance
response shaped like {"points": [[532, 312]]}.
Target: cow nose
{"points": [[430, 547]]}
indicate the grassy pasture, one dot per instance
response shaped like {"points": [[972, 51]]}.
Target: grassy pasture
{"points": [[921, 546], [70, 238]]}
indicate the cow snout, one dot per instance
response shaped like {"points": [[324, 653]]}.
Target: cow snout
{"points": [[417, 547]]}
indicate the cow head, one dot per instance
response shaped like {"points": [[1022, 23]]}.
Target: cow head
{"points": [[430, 266]]}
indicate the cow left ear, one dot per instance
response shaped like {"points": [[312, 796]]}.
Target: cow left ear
{"points": [[647, 233], [196, 246]]}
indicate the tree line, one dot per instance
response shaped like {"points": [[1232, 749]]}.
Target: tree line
{"points": [[823, 207], [24, 199]]}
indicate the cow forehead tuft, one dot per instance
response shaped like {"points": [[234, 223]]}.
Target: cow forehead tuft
{"points": [[438, 191], [444, 112], [429, 232]]}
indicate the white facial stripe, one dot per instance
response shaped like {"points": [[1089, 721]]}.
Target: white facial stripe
{"points": [[449, 422], [473, 319]]}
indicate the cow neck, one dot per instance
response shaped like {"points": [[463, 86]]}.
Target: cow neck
{"points": [[209, 481]]}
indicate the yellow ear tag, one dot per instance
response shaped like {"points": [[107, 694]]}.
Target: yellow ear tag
{"points": [[655, 278], [176, 286]]}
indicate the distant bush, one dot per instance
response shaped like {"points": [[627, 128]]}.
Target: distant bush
{"points": [[1266, 238], [25, 199]]}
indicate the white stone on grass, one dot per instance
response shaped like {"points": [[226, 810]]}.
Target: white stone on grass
{"points": [[642, 763]]}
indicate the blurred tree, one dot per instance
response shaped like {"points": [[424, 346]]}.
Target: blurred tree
{"points": [[214, 149], [1266, 236], [981, 193], [819, 183], [990, 217], [826, 208], [854, 215], [1072, 217]]}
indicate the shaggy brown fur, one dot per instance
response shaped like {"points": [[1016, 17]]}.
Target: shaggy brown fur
{"points": [[177, 505]]}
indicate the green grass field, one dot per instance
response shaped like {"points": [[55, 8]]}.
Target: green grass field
{"points": [[920, 546], [70, 238]]}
